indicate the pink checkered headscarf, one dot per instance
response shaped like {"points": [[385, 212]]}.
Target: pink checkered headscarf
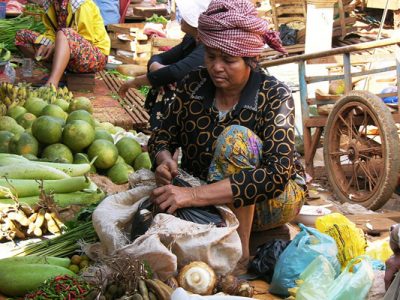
{"points": [[233, 27]]}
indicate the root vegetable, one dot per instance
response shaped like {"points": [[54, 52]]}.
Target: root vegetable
{"points": [[18, 216], [158, 290], [52, 226], [143, 289], [197, 277]]}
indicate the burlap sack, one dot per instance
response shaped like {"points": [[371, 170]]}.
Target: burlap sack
{"points": [[170, 242]]}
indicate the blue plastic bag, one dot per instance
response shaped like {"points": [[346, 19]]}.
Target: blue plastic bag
{"points": [[305, 247]]}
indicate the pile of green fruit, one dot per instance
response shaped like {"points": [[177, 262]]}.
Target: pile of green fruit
{"points": [[14, 95], [65, 131], [79, 263]]}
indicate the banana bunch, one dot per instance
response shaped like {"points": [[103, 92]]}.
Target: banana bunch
{"points": [[51, 93], [5, 54], [12, 95]]}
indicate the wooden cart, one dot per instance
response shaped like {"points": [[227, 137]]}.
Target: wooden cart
{"points": [[360, 137]]}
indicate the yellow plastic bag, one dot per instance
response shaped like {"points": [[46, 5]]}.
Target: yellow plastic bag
{"points": [[379, 250], [350, 240]]}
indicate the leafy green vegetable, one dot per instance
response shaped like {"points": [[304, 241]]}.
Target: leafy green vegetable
{"points": [[118, 74], [9, 27], [144, 90], [157, 19]]}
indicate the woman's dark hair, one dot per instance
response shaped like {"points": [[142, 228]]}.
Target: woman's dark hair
{"points": [[252, 62]]}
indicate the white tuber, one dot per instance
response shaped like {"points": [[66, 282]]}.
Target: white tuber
{"points": [[197, 277]]}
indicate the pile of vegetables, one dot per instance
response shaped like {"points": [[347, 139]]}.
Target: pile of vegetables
{"points": [[49, 124], [19, 275], [34, 8], [28, 180], [157, 19], [13, 95], [63, 245], [61, 287], [9, 27], [21, 221]]}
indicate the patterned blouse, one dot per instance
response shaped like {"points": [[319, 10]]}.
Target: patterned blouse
{"points": [[192, 122]]}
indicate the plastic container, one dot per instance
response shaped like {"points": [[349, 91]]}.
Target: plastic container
{"points": [[309, 213], [3, 6], [27, 67]]}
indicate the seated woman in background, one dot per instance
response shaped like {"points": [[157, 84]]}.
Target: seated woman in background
{"points": [[235, 125], [75, 38], [167, 68]]}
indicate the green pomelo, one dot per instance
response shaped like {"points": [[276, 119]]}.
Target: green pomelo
{"points": [[101, 134], [119, 173], [5, 138], [15, 111], [9, 124], [26, 144], [142, 161], [117, 129], [47, 130], [58, 153], [129, 149], [26, 120], [79, 103], [35, 106], [107, 126], [62, 103], [55, 111], [106, 152], [78, 135], [82, 115], [120, 160]]}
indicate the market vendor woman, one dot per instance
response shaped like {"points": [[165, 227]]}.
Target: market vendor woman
{"points": [[75, 38], [235, 125]]}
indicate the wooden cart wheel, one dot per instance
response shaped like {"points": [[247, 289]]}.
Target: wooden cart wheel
{"points": [[361, 150]]}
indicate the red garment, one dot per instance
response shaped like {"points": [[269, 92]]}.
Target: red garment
{"points": [[234, 27], [84, 57]]}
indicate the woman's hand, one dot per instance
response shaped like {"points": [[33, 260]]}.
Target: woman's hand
{"points": [[131, 83], [45, 52], [166, 171], [169, 198]]}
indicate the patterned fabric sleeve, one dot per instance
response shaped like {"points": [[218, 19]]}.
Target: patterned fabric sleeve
{"points": [[277, 133], [165, 137]]}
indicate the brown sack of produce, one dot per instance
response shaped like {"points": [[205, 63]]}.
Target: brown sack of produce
{"points": [[132, 70]]}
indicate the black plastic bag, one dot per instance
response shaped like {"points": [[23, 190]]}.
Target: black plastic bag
{"points": [[263, 263], [288, 35], [200, 215]]}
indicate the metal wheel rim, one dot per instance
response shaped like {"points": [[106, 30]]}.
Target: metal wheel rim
{"points": [[361, 154]]}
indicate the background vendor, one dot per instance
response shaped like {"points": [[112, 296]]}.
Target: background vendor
{"points": [[235, 125], [167, 68], [75, 38]]}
